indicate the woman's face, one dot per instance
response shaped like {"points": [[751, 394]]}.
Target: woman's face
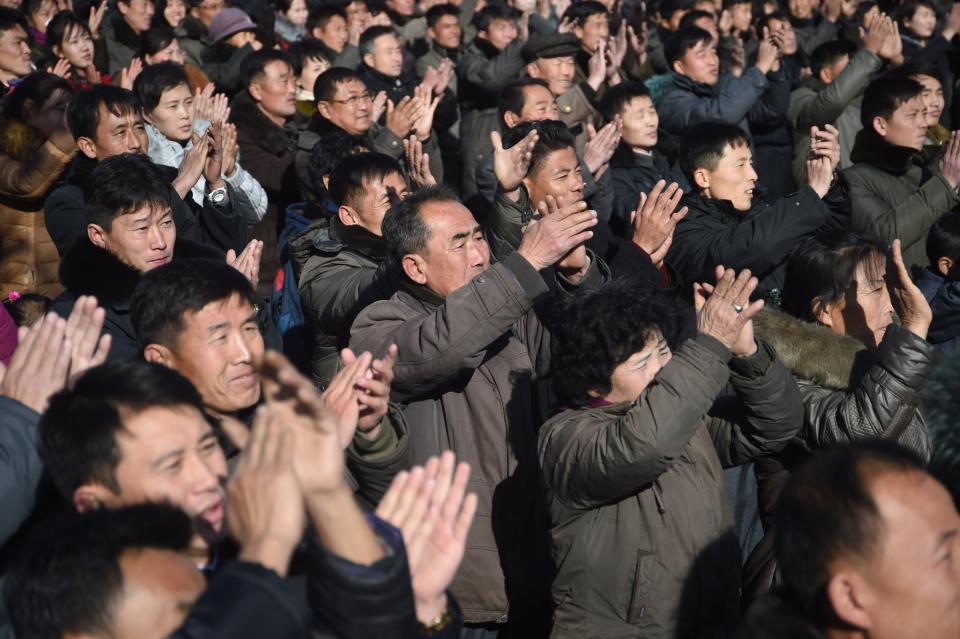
{"points": [[50, 115], [170, 53], [173, 115], [76, 48], [932, 97], [633, 376], [39, 18], [865, 312], [297, 13], [175, 12]]}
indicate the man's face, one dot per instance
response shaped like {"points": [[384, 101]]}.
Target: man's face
{"points": [[358, 11], [907, 126], [137, 14], [700, 63], [143, 239], [446, 32], [276, 90], [595, 29], [913, 580], [170, 455], [789, 35], [932, 96], [379, 194], [159, 588], [801, 9], [640, 121], [350, 107], [14, 54], [217, 351], [456, 252], [557, 72], [173, 115], [633, 376], [538, 104], [207, 10], [742, 15], [401, 7], [733, 179], [923, 22], [387, 56], [116, 134], [500, 33], [558, 175], [333, 34], [830, 72]]}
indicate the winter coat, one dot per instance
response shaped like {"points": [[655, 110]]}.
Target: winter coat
{"points": [[773, 138], [342, 270], [631, 174], [575, 109], [465, 376], [838, 103], [897, 192], [944, 298], [193, 38], [20, 465], [28, 168], [221, 63], [761, 239], [813, 32], [434, 56], [640, 519], [482, 72], [849, 393], [122, 42], [775, 616]]}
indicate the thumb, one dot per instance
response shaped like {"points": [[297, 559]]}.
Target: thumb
{"points": [[497, 141], [591, 131], [389, 106], [699, 297], [231, 256]]}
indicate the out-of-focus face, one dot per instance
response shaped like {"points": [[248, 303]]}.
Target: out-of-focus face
{"points": [[379, 195], [909, 586], [387, 56], [447, 32], [700, 63], [932, 95], [159, 588], [358, 11], [557, 72], [500, 33], [640, 121], [137, 14], [455, 253], [865, 311], [14, 54], [538, 104], [801, 9], [906, 127], [297, 13], [50, 115], [207, 10], [709, 24], [733, 179], [558, 175], [39, 18], [175, 12], [142, 239], [923, 22], [312, 68], [595, 29], [173, 115], [673, 23], [350, 107], [170, 53], [789, 35], [633, 376], [76, 47], [401, 7], [830, 72], [276, 90], [742, 15], [333, 34]]}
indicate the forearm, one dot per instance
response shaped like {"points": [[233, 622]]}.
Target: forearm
{"points": [[342, 528]]}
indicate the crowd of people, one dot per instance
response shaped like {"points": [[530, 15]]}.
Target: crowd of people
{"points": [[479, 318]]}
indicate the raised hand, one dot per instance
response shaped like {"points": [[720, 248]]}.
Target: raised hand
{"points": [[96, 17], [565, 26], [83, 332], [373, 389], [831, 9], [655, 219], [61, 68], [767, 55], [597, 67], [192, 165], [230, 149], [549, 238], [248, 262], [130, 73], [574, 264], [424, 124], [203, 103], [402, 117], [378, 106], [908, 300], [617, 47], [429, 507], [511, 165], [213, 165], [892, 49], [602, 145], [638, 42], [825, 143], [724, 311], [39, 366], [875, 34], [952, 24], [725, 23], [418, 163], [341, 397], [950, 163]]}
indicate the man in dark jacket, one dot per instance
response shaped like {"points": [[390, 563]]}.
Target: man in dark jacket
{"points": [[233, 38], [121, 31], [726, 226]]}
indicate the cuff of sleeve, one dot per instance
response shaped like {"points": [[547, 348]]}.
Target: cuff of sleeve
{"points": [[527, 276], [755, 365], [713, 345], [588, 91], [597, 273], [757, 76], [384, 443]]}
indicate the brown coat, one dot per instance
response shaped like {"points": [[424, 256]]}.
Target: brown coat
{"points": [[28, 168]]}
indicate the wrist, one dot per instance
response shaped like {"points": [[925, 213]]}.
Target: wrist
{"points": [[213, 185], [370, 433], [534, 262], [594, 83], [430, 611], [272, 552], [751, 350]]}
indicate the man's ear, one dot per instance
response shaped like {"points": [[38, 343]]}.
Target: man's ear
{"points": [[849, 597], [323, 108], [431, 33], [826, 75], [368, 59], [123, 8], [511, 119], [578, 30], [533, 70], [88, 147], [348, 216], [316, 33], [701, 179], [415, 268], [97, 236], [159, 354], [678, 67], [90, 497], [255, 91], [944, 264], [195, 12], [880, 126]]}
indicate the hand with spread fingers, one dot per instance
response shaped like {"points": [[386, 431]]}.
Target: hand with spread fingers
{"points": [[575, 263], [656, 218], [373, 390], [511, 165], [83, 330], [908, 300], [724, 310], [418, 163], [547, 238], [39, 366]]}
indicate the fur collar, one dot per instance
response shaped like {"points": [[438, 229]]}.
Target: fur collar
{"points": [[194, 29], [89, 270], [123, 33], [359, 239], [813, 352], [245, 114], [699, 89], [870, 148], [485, 48], [18, 140]]}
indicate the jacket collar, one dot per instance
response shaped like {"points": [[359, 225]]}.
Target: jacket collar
{"points": [[870, 148], [369, 72], [486, 48], [722, 209], [686, 84], [122, 32], [419, 292], [245, 114], [358, 239], [444, 52], [89, 270], [624, 157]]}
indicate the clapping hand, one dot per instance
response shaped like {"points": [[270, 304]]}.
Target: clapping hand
{"points": [[511, 165], [656, 218], [908, 300], [724, 310], [248, 262]]}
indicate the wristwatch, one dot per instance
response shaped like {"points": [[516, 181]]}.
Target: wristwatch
{"points": [[217, 196]]}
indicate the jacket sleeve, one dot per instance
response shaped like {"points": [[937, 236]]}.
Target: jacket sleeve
{"points": [[592, 464], [20, 465], [810, 40], [765, 414], [222, 225], [884, 403], [827, 105], [439, 346], [909, 220], [333, 296], [774, 102], [254, 199], [733, 102], [31, 178], [504, 226], [374, 464], [493, 74]]}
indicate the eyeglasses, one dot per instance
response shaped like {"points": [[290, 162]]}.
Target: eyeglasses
{"points": [[353, 100]]}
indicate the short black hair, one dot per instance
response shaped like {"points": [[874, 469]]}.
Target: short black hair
{"points": [[124, 184], [601, 329], [616, 98], [322, 14], [831, 52], [403, 228], [303, 50], [349, 179], [60, 27], [493, 11], [10, 19], [682, 41], [578, 12], [944, 239], [37, 88], [826, 511], [512, 97], [83, 114], [163, 297], [437, 11], [884, 95], [909, 8], [157, 78], [67, 578], [326, 154], [667, 8], [690, 18], [77, 435], [729, 3], [822, 270], [372, 33], [913, 68], [325, 86], [764, 19], [255, 64], [703, 145], [554, 136], [156, 39]]}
